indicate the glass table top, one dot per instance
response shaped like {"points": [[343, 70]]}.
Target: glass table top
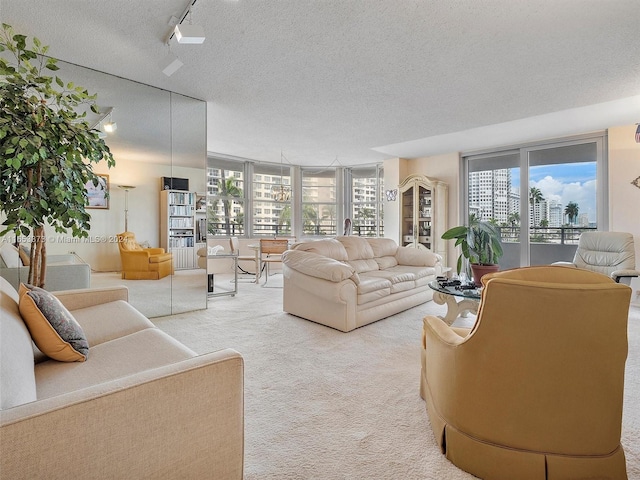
{"points": [[455, 290]]}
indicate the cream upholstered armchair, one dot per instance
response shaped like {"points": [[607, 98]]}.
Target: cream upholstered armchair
{"points": [[535, 389], [610, 253], [142, 263]]}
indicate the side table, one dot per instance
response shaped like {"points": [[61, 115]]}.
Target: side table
{"points": [[469, 303], [210, 278]]}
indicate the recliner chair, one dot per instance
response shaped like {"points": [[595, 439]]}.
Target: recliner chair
{"points": [[610, 253], [535, 389]]}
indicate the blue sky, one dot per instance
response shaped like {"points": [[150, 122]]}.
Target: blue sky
{"points": [[566, 182]]}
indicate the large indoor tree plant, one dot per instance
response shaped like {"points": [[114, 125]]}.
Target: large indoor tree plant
{"points": [[47, 148], [480, 245]]}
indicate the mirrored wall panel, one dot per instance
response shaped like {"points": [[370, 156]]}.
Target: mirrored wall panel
{"points": [[159, 137]]}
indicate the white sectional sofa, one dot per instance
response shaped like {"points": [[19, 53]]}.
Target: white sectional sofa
{"points": [[142, 405], [348, 282], [64, 271]]}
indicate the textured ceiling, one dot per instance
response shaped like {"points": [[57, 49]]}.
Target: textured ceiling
{"points": [[329, 81]]}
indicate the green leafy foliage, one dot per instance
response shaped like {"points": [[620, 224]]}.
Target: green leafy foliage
{"points": [[479, 242], [47, 149]]}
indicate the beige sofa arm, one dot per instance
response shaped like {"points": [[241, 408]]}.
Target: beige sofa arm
{"points": [[88, 297], [183, 420]]}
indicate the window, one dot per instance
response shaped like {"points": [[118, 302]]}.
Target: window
{"points": [[558, 188], [225, 198], [367, 201], [319, 214], [255, 199], [271, 216]]}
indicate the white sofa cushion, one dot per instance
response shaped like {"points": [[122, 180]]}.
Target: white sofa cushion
{"points": [[416, 257], [383, 247], [16, 352], [10, 255], [144, 350], [359, 254], [328, 247], [109, 321], [318, 266]]}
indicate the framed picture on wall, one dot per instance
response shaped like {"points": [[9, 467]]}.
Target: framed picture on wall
{"points": [[98, 195]]}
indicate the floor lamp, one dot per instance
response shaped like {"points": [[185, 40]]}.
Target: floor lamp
{"points": [[126, 189]]}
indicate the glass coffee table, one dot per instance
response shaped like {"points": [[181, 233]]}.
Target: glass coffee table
{"points": [[459, 302]]}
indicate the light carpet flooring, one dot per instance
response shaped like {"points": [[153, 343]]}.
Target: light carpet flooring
{"points": [[322, 404]]}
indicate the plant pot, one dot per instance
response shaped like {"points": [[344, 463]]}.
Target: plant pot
{"points": [[480, 269]]}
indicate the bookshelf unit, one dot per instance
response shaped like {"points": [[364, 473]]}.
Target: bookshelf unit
{"points": [[178, 227]]}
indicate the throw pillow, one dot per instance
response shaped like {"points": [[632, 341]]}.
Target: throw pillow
{"points": [[52, 327]]}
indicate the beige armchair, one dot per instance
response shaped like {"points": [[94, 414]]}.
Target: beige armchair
{"points": [[610, 253], [535, 389], [142, 263]]}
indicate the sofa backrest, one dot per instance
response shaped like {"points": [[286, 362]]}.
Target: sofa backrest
{"points": [[359, 254], [384, 251], [329, 247], [17, 377]]}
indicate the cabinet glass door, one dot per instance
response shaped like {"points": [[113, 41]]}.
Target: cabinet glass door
{"points": [[424, 212], [407, 217]]}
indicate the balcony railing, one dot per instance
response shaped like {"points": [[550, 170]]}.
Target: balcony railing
{"points": [[266, 229], [557, 235]]}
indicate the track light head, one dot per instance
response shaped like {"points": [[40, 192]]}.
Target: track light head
{"points": [[187, 33]]}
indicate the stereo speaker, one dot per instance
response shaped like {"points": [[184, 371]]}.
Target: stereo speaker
{"points": [[173, 183]]}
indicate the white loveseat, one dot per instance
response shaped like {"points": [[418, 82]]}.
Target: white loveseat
{"points": [[348, 282], [142, 405]]}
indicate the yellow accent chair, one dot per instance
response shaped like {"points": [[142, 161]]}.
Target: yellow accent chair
{"points": [[143, 263], [534, 390]]}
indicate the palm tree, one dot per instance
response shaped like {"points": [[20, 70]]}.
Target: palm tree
{"points": [[284, 219], [362, 216], [310, 220], [513, 219], [535, 195], [571, 211], [228, 188]]}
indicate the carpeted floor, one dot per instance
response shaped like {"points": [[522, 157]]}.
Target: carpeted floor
{"points": [[322, 404]]}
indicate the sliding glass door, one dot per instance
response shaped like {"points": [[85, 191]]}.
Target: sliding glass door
{"points": [[542, 196], [563, 191]]}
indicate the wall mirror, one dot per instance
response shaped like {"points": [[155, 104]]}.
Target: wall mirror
{"points": [[159, 134]]}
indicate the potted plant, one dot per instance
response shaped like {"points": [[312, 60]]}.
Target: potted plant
{"points": [[480, 245], [47, 148]]}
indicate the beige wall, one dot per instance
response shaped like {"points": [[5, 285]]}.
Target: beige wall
{"points": [[624, 198]]}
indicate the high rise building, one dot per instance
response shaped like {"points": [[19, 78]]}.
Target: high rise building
{"points": [[490, 194]]}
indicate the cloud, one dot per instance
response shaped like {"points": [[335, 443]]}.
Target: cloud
{"points": [[584, 194]]}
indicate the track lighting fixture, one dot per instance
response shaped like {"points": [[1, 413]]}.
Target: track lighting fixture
{"points": [[109, 127], [187, 33]]}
